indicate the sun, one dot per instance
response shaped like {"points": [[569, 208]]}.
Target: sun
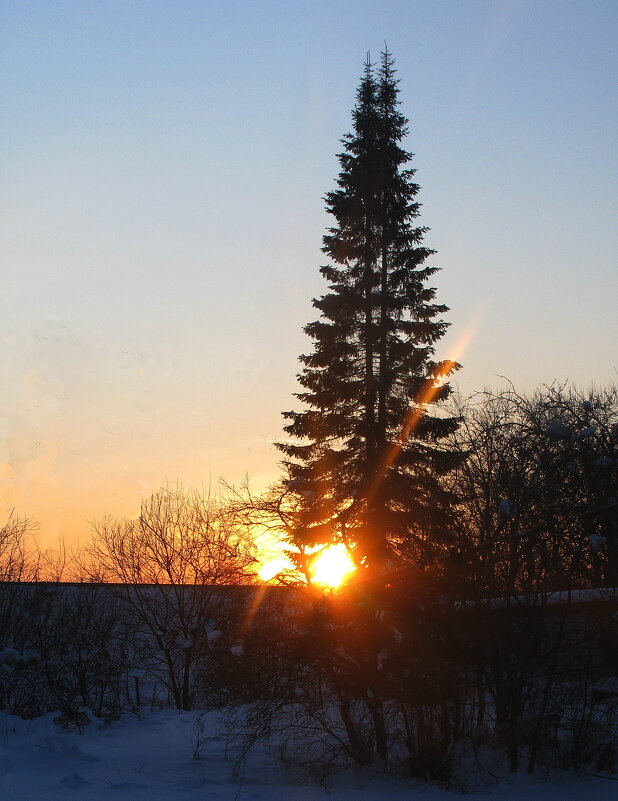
{"points": [[332, 566], [329, 565]]}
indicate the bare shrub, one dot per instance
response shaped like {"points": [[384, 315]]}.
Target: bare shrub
{"points": [[19, 557], [167, 565]]}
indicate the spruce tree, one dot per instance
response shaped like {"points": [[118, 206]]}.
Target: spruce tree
{"points": [[365, 454]]}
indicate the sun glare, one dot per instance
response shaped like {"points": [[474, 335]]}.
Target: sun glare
{"points": [[273, 567], [332, 566]]}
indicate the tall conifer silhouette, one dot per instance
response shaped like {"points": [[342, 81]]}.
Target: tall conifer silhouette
{"points": [[365, 452]]}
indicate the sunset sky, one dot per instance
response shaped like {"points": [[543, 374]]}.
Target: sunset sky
{"points": [[163, 167]]}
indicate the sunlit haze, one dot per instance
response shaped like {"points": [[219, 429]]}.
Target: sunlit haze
{"points": [[164, 166]]}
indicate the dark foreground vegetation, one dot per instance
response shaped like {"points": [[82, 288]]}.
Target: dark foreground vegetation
{"points": [[409, 680]]}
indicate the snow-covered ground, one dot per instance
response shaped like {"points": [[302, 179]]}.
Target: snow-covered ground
{"points": [[153, 759]]}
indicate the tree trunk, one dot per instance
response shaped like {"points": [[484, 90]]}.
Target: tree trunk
{"points": [[358, 748], [376, 710]]}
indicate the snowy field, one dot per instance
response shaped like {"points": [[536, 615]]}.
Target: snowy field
{"points": [[153, 758]]}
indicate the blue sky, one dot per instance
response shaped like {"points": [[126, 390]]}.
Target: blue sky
{"points": [[163, 167]]}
